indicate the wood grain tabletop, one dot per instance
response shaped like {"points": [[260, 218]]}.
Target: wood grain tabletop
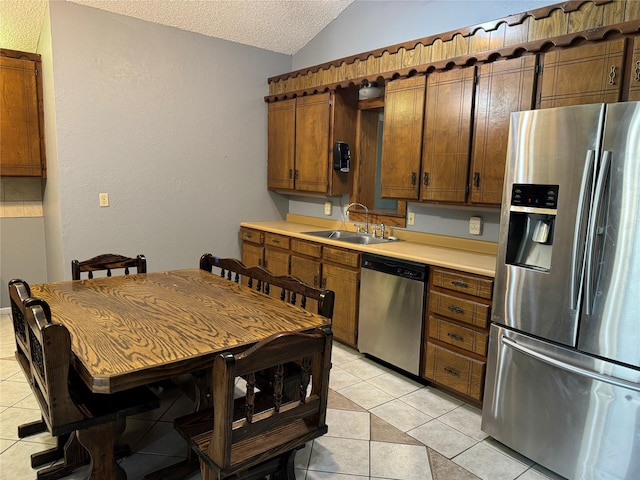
{"points": [[132, 330]]}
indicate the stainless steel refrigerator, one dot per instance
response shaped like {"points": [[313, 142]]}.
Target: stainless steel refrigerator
{"points": [[563, 372]]}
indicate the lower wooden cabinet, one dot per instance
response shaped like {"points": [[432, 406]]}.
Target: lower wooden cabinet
{"points": [[320, 265], [457, 331], [455, 371], [341, 273], [456, 323], [306, 264], [252, 247]]}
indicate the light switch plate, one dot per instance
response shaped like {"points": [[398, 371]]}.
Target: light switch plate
{"points": [[475, 226], [327, 208]]}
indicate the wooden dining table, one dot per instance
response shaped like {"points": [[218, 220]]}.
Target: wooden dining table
{"points": [[134, 330]]}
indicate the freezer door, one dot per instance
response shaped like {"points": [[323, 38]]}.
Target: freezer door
{"points": [[610, 325], [574, 414], [557, 147]]}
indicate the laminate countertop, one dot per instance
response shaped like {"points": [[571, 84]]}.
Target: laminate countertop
{"points": [[471, 256]]}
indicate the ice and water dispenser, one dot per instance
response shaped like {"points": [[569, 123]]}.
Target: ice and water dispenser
{"points": [[532, 217]]}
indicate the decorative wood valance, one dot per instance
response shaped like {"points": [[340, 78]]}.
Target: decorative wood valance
{"points": [[559, 25]]}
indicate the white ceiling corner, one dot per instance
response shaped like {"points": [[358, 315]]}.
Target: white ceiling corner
{"points": [[282, 26]]}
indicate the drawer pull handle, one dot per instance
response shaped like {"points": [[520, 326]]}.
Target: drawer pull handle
{"points": [[612, 75], [455, 336], [459, 283], [276, 241], [451, 371], [454, 309], [637, 71], [414, 177]]}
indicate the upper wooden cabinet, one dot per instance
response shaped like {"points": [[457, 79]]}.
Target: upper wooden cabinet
{"points": [[634, 71], [503, 87], [447, 135], [281, 137], [590, 73], [301, 135], [402, 138], [22, 140]]}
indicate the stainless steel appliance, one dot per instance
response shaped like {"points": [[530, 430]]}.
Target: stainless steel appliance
{"points": [[563, 373], [391, 310]]}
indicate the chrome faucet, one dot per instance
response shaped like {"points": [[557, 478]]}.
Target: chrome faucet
{"points": [[366, 214]]}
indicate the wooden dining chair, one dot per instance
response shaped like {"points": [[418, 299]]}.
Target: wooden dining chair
{"points": [[108, 262], [19, 291], [289, 288], [258, 433], [67, 406]]}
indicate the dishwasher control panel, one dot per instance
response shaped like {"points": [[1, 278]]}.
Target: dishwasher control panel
{"points": [[394, 266]]}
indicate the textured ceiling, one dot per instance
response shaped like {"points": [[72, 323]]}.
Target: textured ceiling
{"points": [[283, 26]]}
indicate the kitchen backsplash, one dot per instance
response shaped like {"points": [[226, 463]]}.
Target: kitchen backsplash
{"points": [[20, 197], [434, 219]]}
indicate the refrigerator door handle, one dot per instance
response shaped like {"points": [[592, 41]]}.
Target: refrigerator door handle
{"points": [[570, 368], [576, 268], [603, 176]]}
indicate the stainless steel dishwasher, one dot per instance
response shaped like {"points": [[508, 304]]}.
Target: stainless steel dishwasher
{"points": [[392, 296]]}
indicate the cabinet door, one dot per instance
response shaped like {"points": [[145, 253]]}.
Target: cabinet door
{"points": [[447, 135], [308, 271], [344, 283], [312, 143], [503, 87], [281, 137], [402, 138], [277, 262], [590, 73], [634, 71], [20, 153], [252, 254]]}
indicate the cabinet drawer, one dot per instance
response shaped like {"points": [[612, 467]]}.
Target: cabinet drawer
{"points": [[455, 371], [467, 311], [461, 337], [250, 235], [460, 282], [310, 249], [348, 258], [275, 240]]}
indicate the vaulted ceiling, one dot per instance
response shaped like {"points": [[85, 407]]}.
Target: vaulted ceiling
{"points": [[282, 26]]}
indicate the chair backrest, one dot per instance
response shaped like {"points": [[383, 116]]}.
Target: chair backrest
{"points": [[262, 425], [290, 288], [19, 291], [49, 356], [108, 262]]}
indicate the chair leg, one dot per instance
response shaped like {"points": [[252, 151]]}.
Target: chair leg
{"points": [[31, 428], [50, 455], [75, 456]]}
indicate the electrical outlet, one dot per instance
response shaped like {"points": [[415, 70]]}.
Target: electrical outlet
{"points": [[327, 208], [103, 199], [475, 226], [411, 218]]}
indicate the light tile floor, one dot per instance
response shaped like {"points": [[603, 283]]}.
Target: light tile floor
{"points": [[382, 425]]}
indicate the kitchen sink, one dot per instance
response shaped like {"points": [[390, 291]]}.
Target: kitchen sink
{"points": [[349, 237], [363, 239], [332, 234]]}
